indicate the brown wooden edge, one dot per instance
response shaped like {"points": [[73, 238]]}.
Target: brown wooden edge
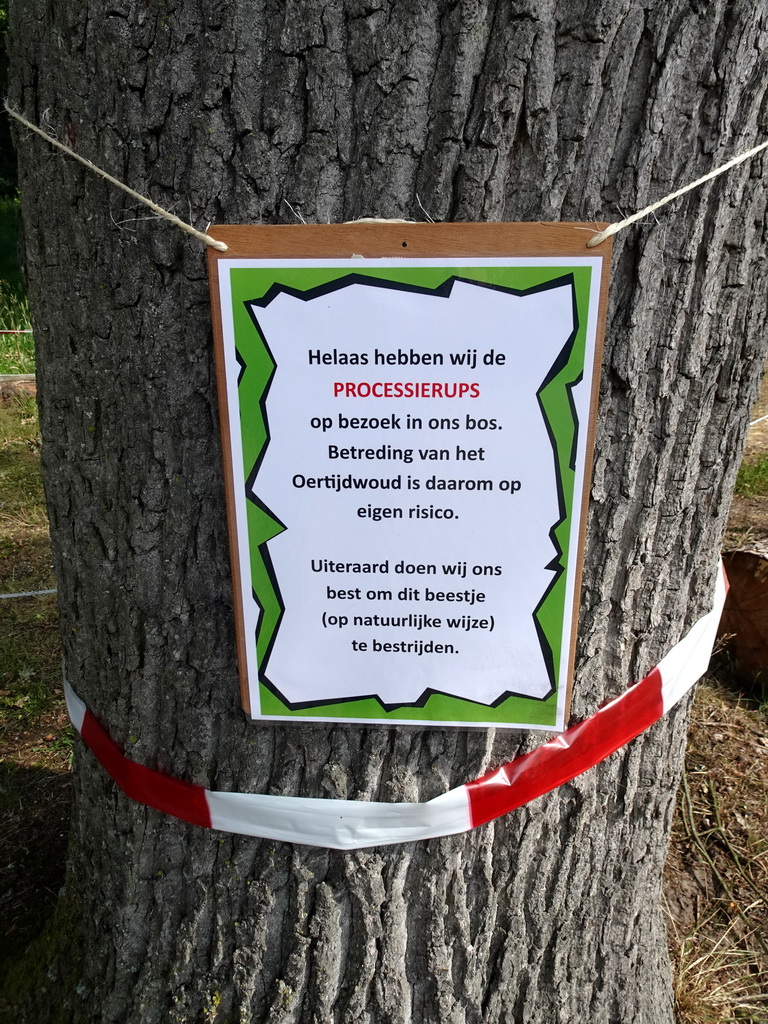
{"points": [[411, 241], [229, 479], [604, 250]]}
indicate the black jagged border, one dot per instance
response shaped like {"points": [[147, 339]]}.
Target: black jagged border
{"points": [[441, 291]]}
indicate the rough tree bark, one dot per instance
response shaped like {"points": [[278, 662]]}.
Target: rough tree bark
{"points": [[479, 110]]}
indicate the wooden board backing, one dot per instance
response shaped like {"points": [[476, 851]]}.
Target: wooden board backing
{"points": [[380, 239]]}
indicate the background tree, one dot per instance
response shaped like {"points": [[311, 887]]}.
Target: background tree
{"points": [[228, 111], [7, 162]]}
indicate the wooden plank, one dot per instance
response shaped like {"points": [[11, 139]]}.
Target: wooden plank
{"points": [[373, 240]]}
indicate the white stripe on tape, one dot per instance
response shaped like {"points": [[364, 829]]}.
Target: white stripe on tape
{"points": [[27, 593], [339, 824], [689, 658], [75, 707]]}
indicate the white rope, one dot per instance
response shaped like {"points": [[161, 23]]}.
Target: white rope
{"points": [[620, 225], [596, 239], [27, 593], [213, 242], [759, 420]]}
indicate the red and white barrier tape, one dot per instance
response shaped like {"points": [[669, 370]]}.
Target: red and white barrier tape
{"points": [[355, 824]]}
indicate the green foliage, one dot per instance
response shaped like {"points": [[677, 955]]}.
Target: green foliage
{"points": [[10, 274], [752, 480], [7, 157], [16, 350]]}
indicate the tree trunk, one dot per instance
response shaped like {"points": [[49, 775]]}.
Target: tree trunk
{"points": [[229, 112]]}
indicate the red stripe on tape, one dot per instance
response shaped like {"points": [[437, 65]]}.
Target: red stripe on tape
{"points": [[146, 785], [568, 755]]}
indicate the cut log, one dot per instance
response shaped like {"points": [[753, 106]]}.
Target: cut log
{"points": [[744, 625]]}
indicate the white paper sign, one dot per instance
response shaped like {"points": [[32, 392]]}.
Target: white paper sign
{"points": [[411, 446]]}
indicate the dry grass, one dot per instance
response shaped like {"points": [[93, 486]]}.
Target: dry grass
{"points": [[717, 875], [719, 976]]}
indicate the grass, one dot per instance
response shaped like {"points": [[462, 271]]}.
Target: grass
{"points": [[19, 427], [35, 737], [752, 480], [720, 977], [23, 516], [28, 630], [31, 674], [16, 350]]}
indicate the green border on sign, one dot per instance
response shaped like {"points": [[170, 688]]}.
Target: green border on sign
{"points": [[250, 284]]}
